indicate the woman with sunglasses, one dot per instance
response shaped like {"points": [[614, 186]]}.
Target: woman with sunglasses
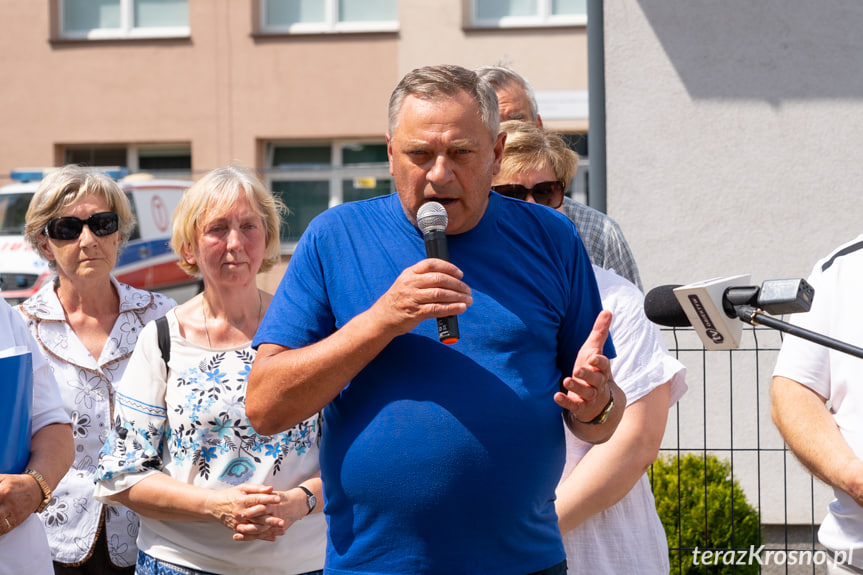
{"points": [[604, 504], [551, 165], [214, 497], [87, 324]]}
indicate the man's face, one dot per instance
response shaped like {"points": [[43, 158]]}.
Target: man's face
{"points": [[440, 150], [514, 104]]}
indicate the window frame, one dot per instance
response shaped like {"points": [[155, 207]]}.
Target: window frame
{"points": [[542, 19], [330, 25], [133, 155], [333, 173], [126, 31]]}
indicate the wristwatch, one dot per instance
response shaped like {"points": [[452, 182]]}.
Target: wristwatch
{"points": [[606, 411], [310, 499], [47, 494]]}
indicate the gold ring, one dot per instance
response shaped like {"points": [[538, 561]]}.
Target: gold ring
{"points": [[8, 525]]}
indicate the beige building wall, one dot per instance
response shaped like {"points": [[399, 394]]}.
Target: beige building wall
{"points": [[226, 90]]}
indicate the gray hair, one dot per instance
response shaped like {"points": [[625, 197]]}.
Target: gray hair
{"points": [[446, 81], [501, 77]]}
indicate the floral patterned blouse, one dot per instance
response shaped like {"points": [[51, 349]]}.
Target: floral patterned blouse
{"points": [[191, 424], [86, 384]]}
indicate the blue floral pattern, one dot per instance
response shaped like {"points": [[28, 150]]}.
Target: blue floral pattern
{"points": [[201, 430]]}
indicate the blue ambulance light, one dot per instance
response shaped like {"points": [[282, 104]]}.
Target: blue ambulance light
{"points": [[25, 175]]}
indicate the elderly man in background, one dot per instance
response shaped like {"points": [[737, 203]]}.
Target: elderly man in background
{"points": [[601, 235]]}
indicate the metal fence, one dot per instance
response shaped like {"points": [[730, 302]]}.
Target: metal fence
{"points": [[726, 414]]}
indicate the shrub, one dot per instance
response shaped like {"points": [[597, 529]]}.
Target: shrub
{"points": [[707, 522]]}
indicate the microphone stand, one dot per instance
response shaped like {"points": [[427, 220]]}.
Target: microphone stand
{"points": [[753, 316]]}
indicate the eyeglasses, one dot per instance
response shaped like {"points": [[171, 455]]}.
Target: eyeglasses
{"points": [[546, 193], [70, 228]]}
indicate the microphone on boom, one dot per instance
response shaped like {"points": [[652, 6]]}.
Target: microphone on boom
{"points": [[713, 307], [432, 221]]}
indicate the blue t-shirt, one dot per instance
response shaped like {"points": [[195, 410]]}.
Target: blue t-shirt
{"points": [[444, 458]]}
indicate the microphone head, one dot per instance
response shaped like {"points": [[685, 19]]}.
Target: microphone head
{"points": [[662, 307], [432, 217]]}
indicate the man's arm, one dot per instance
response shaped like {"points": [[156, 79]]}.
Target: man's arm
{"points": [[585, 394], [802, 417], [609, 471], [287, 386]]}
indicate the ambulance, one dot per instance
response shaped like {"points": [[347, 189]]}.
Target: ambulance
{"points": [[146, 261]]}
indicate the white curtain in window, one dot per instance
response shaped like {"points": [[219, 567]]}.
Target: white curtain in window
{"points": [[367, 10], [287, 12], [495, 9], [84, 15], [161, 13]]}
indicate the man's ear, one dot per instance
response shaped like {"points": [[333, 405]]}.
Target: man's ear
{"points": [[498, 152], [390, 152], [539, 120]]}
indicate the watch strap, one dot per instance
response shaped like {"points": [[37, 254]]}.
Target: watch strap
{"points": [[311, 500], [606, 411], [47, 494]]}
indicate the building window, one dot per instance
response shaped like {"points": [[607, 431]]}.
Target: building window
{"points": [[123, 19], [527, 13], [313, 177], [326, 16], [164, 161]]}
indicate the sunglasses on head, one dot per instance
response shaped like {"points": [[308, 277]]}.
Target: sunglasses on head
{"points": [[546, 193], [70, 228]]}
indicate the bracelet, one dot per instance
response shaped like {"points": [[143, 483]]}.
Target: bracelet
{"points": [[47, 494], [603, 415]]}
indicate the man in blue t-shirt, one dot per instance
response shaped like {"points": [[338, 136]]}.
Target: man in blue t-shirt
{"points": [[439, 458]]}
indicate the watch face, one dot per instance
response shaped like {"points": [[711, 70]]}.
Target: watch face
{"points": [[313, 502]]}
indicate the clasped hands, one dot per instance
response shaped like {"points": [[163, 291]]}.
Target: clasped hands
{"points": [[255, 512]]}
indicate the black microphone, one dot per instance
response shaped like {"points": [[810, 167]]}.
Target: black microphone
{"points": [[708, 306], [713, 307], [662, 308], [432, 220], [662, 304]]}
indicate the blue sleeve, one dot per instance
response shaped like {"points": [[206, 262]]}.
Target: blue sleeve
{"points": [[300, 313]]}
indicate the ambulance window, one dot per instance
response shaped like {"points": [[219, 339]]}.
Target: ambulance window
{"points": [[136, 231], [13, 208]]}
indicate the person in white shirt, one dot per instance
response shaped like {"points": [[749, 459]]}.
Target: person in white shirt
{"points": [[605, 506], [23, 544], [817, 401], [213, 495]]}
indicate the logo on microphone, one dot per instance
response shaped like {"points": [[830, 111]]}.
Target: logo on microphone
{"points": [[709, 329]]}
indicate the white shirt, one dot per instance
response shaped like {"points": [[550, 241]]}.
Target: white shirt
{"points": [[86, 386], [627, 537], [25, 548], [193, 427], [836, 311]]}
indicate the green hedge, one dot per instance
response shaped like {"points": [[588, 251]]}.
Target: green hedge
{"points": [[680, 493]]}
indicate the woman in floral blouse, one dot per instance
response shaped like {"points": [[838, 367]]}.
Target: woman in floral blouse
{"points": [[87, 324], [213, 495]]}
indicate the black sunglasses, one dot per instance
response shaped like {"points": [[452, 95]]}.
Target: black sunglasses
{"points": [[546, 193], [69, 228]]}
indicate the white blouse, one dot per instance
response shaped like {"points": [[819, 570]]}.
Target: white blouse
{"points": [[194, 428], [87, 388]]}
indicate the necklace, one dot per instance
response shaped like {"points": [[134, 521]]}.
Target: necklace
{"points": [[204, 314]]}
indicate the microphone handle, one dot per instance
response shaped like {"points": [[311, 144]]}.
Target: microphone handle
{"points": [[436, 247]]}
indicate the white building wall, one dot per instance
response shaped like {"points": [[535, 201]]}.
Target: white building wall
{"points": [[734, 132]]}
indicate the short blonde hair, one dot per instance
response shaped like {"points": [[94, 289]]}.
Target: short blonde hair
{"points": [[530, 147], [211, 197], [61, 188]]}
